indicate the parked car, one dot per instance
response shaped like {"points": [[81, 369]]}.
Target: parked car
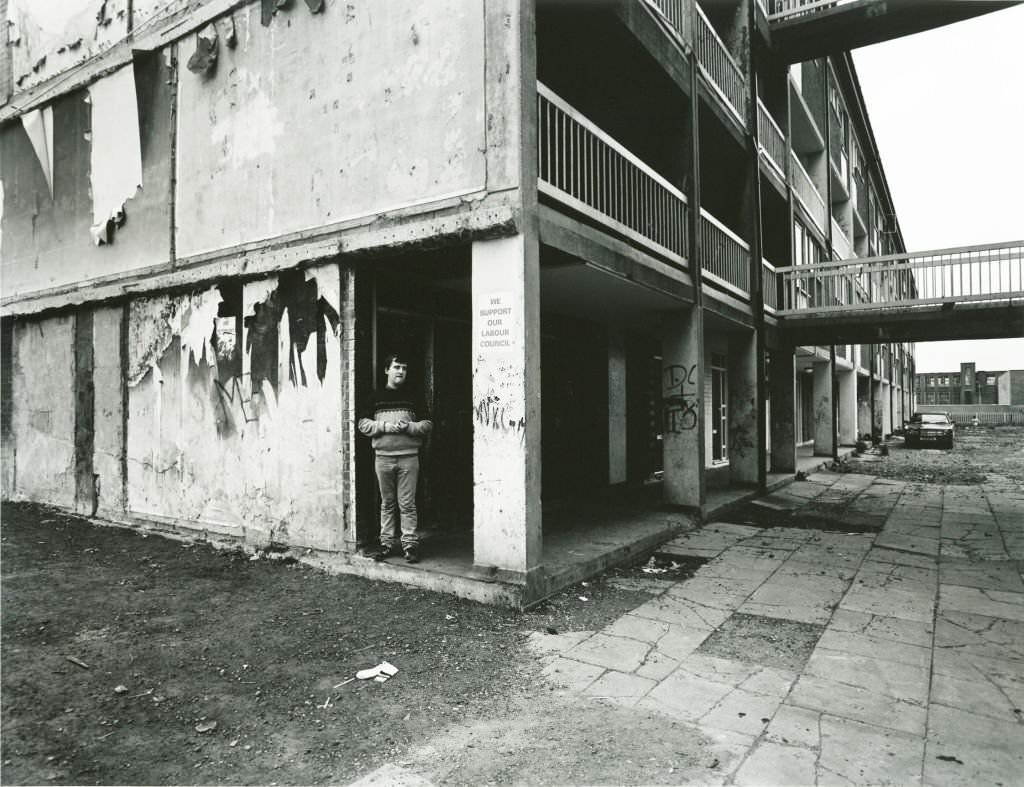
{"points": [[929, 429]]}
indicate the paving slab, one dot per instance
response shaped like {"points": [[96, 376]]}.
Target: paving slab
{"points": [[980, 601], [775, 763], [882, 627], [901, 682], [979, 635], [617, 653], [964, 748], [569, 674], [988, 575], [742, 711], [682, 612], [857, 704], [626, 689], [856, 753]]}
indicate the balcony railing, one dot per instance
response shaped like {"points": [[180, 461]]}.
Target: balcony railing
{"points": [[807, 193], [677, 13], [770, 286], [725, 257], [840, 242], [719, 67], [993, 272], [771, 139], [786, 9], [584, 168]]}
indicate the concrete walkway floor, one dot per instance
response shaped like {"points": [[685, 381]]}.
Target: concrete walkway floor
{"points": [[814, 657]]}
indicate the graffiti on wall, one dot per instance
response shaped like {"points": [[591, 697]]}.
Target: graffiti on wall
{"points": [[207, 326], [490, 412], [679, 398]]}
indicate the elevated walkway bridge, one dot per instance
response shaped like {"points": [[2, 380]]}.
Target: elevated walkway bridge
{"points": [[970, 292], [808, 29]]}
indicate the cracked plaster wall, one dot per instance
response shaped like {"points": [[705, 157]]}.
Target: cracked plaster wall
{"points": [[44, 415], [318, 118], [216, 445]]}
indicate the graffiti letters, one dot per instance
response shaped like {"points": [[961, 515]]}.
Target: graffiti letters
{"points": [[679, 398], [235, 392], [491, 413]]}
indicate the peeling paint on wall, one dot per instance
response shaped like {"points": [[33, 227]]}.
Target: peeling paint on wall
{"points": [[153, 323], [216, 448], [116, 157], [39, 127], [50, 36]]}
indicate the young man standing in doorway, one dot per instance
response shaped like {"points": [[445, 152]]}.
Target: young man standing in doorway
{"points": [[397, 423]]}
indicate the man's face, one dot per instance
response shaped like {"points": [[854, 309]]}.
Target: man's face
{"points": [[396, 374]]}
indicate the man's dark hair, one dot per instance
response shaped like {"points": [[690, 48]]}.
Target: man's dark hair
{"points": [[389, 359]]}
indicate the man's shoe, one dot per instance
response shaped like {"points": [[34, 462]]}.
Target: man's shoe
{"points": [[385, 552], [412, 555]]}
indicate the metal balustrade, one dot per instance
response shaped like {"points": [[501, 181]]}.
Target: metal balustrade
{"points": [[770, 286], [583, 167], [718, 65], [992, 272], [725, 257], [771, 139], [807, 192], [677, 14], [787, 9]]}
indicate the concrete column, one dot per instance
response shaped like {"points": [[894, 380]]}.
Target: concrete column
{"points": [[743, 403], [823, 409], [683, 428], [886, 406], [616, 405], [782, 422], [879, 397], [506, 401], [847, 407]]}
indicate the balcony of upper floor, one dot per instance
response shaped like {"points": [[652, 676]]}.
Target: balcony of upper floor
{"points": [[591, 175]]}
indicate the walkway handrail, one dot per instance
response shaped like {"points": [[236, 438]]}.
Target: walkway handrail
{"points": [[677, 14], [807, 192], [771, 138], [725, 254], [718, 65], [582, 166], [963, 274], [785, 9]]}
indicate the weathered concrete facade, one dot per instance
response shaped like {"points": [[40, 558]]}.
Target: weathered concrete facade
{"points": [[192, 322]]}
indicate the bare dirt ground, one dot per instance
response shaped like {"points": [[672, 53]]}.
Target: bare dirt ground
{"points": [[993, 455], [129, 659]]}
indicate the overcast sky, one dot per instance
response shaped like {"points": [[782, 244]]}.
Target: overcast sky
{"points": [[947, 108]]}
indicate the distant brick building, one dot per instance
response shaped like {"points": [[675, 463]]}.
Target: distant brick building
{"points": [[970, 386]]}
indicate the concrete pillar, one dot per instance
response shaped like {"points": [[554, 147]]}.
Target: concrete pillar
{"points": [[879, 398], [886, 405], [782, 422], [743, 404], [847, 407], [683, 428], [506, 401], [823, 408], [617, 470]]}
